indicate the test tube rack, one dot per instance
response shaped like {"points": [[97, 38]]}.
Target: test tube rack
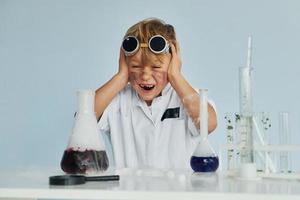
{"points": [[248, 135]]}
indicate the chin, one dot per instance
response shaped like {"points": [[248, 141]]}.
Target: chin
{"points": [[147, 97]]}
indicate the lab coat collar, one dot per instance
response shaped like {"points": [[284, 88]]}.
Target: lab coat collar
{"points": [[140, 102], [166, 89]]}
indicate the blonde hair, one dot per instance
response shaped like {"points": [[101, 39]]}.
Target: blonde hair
{"points": [[147, 28]]}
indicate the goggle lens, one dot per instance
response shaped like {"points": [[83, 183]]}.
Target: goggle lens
{"points": [[130, 44], [157, 44]]}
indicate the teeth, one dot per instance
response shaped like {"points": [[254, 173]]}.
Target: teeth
{"points": [[142, 85], [147, 87]]}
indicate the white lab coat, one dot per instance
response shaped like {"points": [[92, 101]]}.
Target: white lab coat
{"points": [[139, 136]]}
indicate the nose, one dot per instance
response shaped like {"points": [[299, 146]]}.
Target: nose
{"points": [[146, 74]]}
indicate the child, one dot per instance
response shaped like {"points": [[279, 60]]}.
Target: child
{"points": [[152, 119]]}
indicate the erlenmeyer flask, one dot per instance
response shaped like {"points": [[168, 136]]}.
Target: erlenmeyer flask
{"points": [[204, 159], [85, 153]]}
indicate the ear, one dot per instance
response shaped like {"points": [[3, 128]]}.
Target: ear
{"points": [[170, 50]]}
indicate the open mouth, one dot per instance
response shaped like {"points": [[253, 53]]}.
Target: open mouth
{"points": [[147, 87]]}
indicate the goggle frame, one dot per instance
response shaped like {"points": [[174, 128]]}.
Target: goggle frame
{"points": [[165, 48]]}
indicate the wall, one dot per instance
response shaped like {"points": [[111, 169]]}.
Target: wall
{"points": [[49, 49]]}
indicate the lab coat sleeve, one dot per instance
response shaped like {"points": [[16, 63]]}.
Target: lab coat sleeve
{"points": [[191, 126], [103, 124]]}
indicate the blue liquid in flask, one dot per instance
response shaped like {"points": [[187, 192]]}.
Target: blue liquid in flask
{"points": [[204, 164]]}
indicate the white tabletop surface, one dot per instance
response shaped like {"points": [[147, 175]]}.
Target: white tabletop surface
{"points": [[145, 184]]}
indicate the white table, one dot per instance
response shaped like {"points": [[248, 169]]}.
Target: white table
{"points": [[33, 184]]}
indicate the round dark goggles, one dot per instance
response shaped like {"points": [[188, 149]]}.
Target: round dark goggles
{"points": [[157, 44]]}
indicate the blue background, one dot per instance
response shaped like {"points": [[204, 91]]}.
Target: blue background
{"points": [[50, 49]]}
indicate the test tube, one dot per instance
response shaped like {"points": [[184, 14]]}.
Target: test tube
{"points": [[259, 157], [237, 142], [284, 139], [265, 120], [230, 141]]}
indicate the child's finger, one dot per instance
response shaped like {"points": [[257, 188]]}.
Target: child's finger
{"points": [[122, 56], [173, 49], [177, 46], [121, 52]]}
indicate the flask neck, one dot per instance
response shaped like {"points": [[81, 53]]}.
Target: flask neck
{"points": [[85, 102], [204, 149]]}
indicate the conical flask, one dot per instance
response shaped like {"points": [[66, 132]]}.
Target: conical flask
{"points": [[204, 158], [85, 153]]}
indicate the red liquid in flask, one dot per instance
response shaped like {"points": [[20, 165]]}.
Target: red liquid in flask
{"points": [[81, 162]]}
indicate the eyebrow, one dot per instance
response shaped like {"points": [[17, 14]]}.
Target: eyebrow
{"points": [[134, 63], [134, 60], [157, 62]]}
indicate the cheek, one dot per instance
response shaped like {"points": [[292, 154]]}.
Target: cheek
{"points": [[160, 77], [133, 76]]}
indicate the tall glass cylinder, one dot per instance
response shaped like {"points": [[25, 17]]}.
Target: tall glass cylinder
{"points": [[246, 114]]}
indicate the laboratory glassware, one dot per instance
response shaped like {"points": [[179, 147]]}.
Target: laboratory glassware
{"points": [[85, 153], [245, 123], [244, 126], [231, 162], [204, 158], [284, 139]]}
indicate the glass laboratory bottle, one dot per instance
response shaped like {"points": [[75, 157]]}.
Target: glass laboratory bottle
{"points": [[85, 153], [204, 159]]}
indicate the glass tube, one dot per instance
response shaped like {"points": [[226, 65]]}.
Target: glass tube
{"points": [[246, 112], [245, 86], [230, 141], [237, 137], [266, 123], [284, 139], [203, 113], [259, 156], [246, 140]]}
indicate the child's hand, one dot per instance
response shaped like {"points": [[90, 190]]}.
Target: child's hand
{"points": [[123, 67], [175, 63]]}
